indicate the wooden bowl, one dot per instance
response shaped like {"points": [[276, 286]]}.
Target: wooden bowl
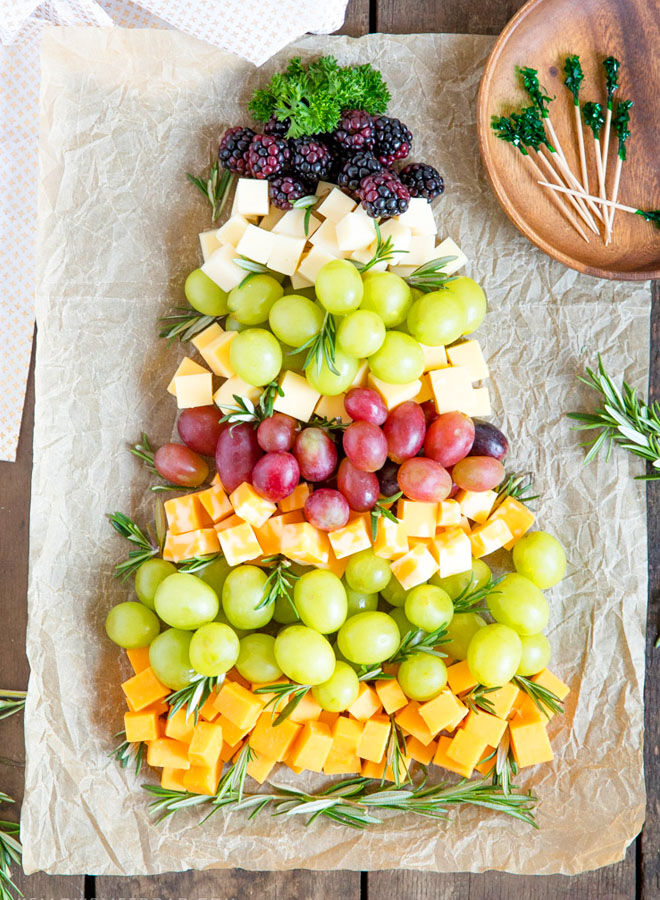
{"points": [[541, 35]]}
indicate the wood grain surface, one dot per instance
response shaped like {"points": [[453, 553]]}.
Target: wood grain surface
{"points": [[638, 876]]}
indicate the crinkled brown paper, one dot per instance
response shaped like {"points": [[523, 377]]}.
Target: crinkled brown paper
{"points": [[124, 115]]}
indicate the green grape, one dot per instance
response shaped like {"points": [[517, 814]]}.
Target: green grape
{"points": [[215, 574], [367, 572], [339, 287], [518, 603], [388, 295], [149, 576], [454, 585], [294, 361], [320, 599], [204, 295], [251, 303], [242, 593], [394, 593], [213, 649], [339, 656], [535, 654], [399, 361], [232, 324], [360, 333], [360, 601], [422, 676], [185, 601], [284, 613], [472, 299], [481, 574], [339, 691], [221, 617], [308, 292], [131, 625], [304, 655], [437, 318], [403, 622], [256, 659], [256, 356], [494, 655], [169, 655], [368, 638], [540, 557], [429, 607], [460, 632], [325, 381], [295, 319]]}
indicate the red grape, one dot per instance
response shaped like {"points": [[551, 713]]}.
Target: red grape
{"points": [[236, 454], [181, 465], [327, 510], [365, 405], [449, 438], [489, 441], [275, 475], [424, 479], [388, 480], [199, 428], [360, 488], [430, 412], [316, 454], [405, 429], [478, 473], [277, 432], [365, 445]]}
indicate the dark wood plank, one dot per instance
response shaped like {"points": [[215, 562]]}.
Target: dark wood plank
{"points": [[453, 16], [356, 21]]}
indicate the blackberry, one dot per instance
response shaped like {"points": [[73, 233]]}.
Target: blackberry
{"points": [[286, 189], [267, 156], [233, 149], [383, 194], [393, 139], [277, 127], [422, 180], [357, 167], [354, 131], [310, 159]]}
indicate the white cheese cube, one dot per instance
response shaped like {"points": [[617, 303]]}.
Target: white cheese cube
{"points": [[285, 253], [292, 224], [325, 237], [434, 357], [422, 249], [367, 253], [394, 394], [313, 262], [272, 218], [400, 235], [299, 281], [452, 389], [252, 197], [232, 231], [323, 188], [221, 268], [402, 271], [336, 205], [468, 353], [450, 248], [299, 398], [256, 244], [418, 217], [355, 231], [224, 397], [193, 390], [209, 243]]}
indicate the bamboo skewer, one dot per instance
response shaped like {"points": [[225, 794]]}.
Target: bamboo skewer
{"points": [[572, 180], [583, 155], [593, 118], [620, 124], [562, 206], [613, 197], [611, 66], [555, 177], [573, 81], [649, 215]]}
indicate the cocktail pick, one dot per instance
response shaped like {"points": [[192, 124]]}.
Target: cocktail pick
{"points": [[574, 77], [594, 119], [620, 122], [649, 215], [611, 66]]}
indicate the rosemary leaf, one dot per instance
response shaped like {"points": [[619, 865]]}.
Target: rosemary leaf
{"points": [[321, 347], [286, 697], [144, 548], [543, 698], [429, 276], [126, 752], [384, 252], [280, 582], [382, 510], [214, 187], [183, 324], [471, 597], [518, 486], [11, 702], [10, 854]]}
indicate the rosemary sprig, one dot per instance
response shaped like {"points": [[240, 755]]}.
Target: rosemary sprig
{"points": [[375, 673], [418, 641], [382, 510], [396, 755], [214, 187], [506, 768], [471, 597], [251, 267], [11, 702], [543, 698], [197, 563], [321, 347], [126, 752], [145, 548], [328, 425], [623, 419], [306, 203], [280, 582], [519, 486], [247, 411], [145, 452], [286, 696], [384, 252], [193, 696], [183, 324], [233, 781], [429, 277], [10, 853], [477, 700]]}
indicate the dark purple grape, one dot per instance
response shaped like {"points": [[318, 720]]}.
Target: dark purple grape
{"points": [[389, 484], [489, 441]]}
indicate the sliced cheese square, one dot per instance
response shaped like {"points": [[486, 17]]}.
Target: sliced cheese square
{"points": [[476, 505], [292, 224], [312, 262], [418, 217], [232, 231], [222, 269], [335, 205], [422, 249], [394, 394], [355, 231], [452, 389], [216, 354], [193, 390], [187, 366], [204, 338], [448, 247], [224, 397], [332, 408]]}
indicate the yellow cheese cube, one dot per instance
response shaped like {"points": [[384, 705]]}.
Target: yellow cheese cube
{"points": [[166, 752], [230, 522], [452, 551], [434, 357], [203, 339], [193, 390], [468, 354], [269, 534], [489, 537], [367, 253], [480, 403], [187, 366], [529, 742], [503, 698], [332, 408], [233, 230], [420, 753], [296, 499], [442, 711], [256, 244], [292, 224], [260, 768], [547, 680], [366, 704], [312, 262], [350, 539], [239, 544], [390, 695], [285, 253], [216, 503], [516, 515], [141, 726], [422, 247], [238, 705], [452, 389], [391, 538], [425, 392], [216, 354], [414, 567], [251, 198], [394, 394], [202, 542], [362, 375], [221, 268], [442, 759], [299, 399], [476, 505], [448, 247], [338, 762], [410, 720], [271, 218], [466, 748], [172, 779], [225, 397], [346, 733], [299, 281], [419, 518], [459, 677], [305, 544], [251, 506], [374, 738], [449, 513], [209, 243], [355, 231], [336, 205], [206, 744], [399, 235], [334, 565], [312, 747], [186, 513], [418, 217], [489, 728]]}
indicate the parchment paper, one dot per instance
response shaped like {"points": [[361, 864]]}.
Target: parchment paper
{"points": [[124, 115]]}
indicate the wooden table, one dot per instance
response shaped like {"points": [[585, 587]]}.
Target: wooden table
{"points": [[637, 876]]}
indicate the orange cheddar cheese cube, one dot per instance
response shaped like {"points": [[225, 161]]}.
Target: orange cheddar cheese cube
{"points": [[144, 689], [487, 762], [503, 698], [305, 544], [476, 505], [378, 770], [518, 518], [139, 659], [307, 710], [441, 711], [414, 567], [547, 680], [442, 759], [178, 728], [489, 537], [216, 354], [459, 677], [229, 750], [160, 707], [206, 744], [346, 734], [215, 502], [203, 779], [452, 551], [172, 779], [239, 544], [391, 538], [141, 726], [193, 390], [230, 522], [312, 747], [390, 695], [251, 506], [332, 408], [350, 539], [329, 718], [449, 513], [296, 499], [419, 752], [185, 514], [339, 762], [232, 734], [204, 338], [366, 703], [207, 710], [260, 768], [299, 399], [178, 547], [167, 752], [274, 741], [529, 742], [374, 738], [419, 519], [466, 748], [187, 366], [525, 708], [410, 721], [487, 727], [239, 705]]}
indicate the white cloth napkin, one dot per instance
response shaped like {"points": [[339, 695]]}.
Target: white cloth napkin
{"points": [[252, 29]]}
